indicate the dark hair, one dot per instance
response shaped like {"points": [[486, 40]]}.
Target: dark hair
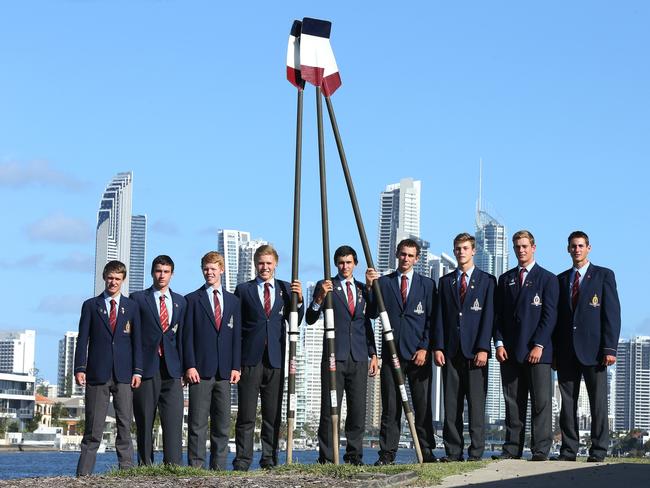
{"points": [[114, 267], [164, 260], [345, 251], [577, 234], [408, 243], [464, 237]]}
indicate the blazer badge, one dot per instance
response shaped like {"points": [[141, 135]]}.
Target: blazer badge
{"points": [[175, 328], [282, 310], [127, 327], [476, 307], [419, 310], [231, 323], [122, 309], [594, 301], [512, 282], [537, 301]]}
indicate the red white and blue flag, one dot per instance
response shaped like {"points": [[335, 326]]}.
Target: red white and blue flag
{"points": [[293, 56], [317, 63]]}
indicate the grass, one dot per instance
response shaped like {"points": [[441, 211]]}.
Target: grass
{"points": [[427, 473]]}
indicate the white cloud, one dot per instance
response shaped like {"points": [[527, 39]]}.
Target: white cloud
{"points": [[59, 228], [60, 304], [18, 175]]}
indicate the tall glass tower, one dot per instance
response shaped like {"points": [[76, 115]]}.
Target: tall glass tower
{"points": [[113, 238], [137, 271]]}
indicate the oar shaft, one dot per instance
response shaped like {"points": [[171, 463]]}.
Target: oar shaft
{"points": [[328, 311], [293, 311]]}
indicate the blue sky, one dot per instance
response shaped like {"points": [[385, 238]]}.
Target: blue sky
{"points": [[191, 96]]}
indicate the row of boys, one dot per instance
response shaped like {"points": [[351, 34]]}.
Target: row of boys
{"points": [[157, 339]]}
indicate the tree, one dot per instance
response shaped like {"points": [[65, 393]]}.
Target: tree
{"points": [[13, 427], [3, 427], [32, 424]]}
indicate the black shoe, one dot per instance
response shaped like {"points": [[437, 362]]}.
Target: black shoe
{"points": [[267, 466], [321, 460], [353, 460], [563, 457], [448, 459], [594, 459], [428, 457], [505, 455], [474, 458], [538, 456], [239, 467], [385, 460]]}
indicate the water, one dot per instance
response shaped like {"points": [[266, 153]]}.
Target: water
{"points": [[52, 463]]}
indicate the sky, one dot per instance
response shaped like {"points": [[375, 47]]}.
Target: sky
{"points": [[192, 97]]}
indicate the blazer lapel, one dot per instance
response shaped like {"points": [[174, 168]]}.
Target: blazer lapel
{"points": [[205, 303], [278, 305], [102, 312], [392, 283], [151, 301], [415, 282], [122, 311], [340, 291], [454, 290], [255, 298], [472, 287], [585, 295]]}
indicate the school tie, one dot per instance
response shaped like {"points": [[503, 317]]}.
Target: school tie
{"points": [[217, 310], [112, 318], [267, 299], [575, 290], [164, 321], [404, 289], [350, 299], [522, 275], [463, 287]]}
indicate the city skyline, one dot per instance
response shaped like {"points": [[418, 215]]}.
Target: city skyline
{"points": [[553, 98]]}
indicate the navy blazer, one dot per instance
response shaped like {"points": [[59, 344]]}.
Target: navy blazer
{"points": [[260, 332], [102, 354], [468, 328], [592, 330], [152, 334], [526, 316], [412, 324], [353, 333], [212, 352]]}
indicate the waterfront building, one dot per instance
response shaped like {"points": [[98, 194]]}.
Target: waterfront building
{"points": [[66, 385], [632, 383], [137, 272]]}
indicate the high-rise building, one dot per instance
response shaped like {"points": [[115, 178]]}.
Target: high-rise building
{"points": [[491, 238], [228, 245], [113, 239], [65, 380], [399, 218], [17, 351], [441, 265], [137, 271], [632, 404]]}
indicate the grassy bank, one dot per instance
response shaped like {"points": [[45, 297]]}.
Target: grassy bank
{"points": [[427, 473]]}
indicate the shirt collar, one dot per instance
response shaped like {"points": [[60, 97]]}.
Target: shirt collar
{"points": [[157, 293], [210, 289], [468, 273], [409, 275], [343, 280], [260, 282], [528, 268], [583, 270]]}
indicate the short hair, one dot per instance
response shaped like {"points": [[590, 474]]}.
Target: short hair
{"points": [[408, 243], [345, 251], [577, 234], [114, 267], [265, 249], [212, 257], [163, 260], [523, 234], [464, 237]]}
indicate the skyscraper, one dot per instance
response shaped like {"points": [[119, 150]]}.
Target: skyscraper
{"points": [[492, 257], [399, 218], [137, 271], [17, 351], [65, 381], [246, 265], [113, 239], [228, 246], [632, 383]]}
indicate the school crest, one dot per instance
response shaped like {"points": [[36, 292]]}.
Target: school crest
{"points": [[476, 306], [231, 323], [175, 328], [419, 309], [127, 327], [536, 300], [595, 302]]}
